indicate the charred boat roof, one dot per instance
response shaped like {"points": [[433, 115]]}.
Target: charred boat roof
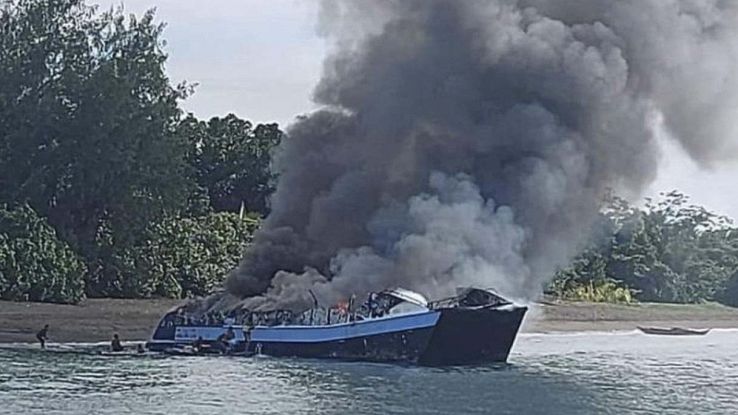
{"points": [[407, 295], [472, 297]]}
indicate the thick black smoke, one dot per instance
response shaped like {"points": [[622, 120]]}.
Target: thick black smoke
{"points": [[469, 142]]}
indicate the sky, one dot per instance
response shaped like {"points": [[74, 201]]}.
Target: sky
{"points": [[260, 60], [256, 58]]}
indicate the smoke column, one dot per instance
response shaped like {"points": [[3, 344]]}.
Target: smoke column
{"points": [[470, 142]]}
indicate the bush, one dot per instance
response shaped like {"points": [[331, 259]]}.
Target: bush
{"points": [[729, 294], [35, 265], [596, 291], [186, 257]]}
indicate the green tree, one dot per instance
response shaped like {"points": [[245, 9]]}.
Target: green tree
{"points": [[186, 257], [88, 126], [690, 241], [669, 250], [729, 293], [34, 264], [636, 260], [231, 161], [589, 266]]}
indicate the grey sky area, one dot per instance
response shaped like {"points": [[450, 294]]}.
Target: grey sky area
{"points": [[257, 58], [260, 59]]}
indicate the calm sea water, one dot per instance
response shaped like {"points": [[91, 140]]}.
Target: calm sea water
{"points": [[605, 373]]}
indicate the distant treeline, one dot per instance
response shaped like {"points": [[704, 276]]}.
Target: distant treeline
{"points": [[107, 188], [667, 251]]}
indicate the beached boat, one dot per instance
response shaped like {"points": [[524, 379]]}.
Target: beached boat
{"points": [[476, 326], [674, 331]]}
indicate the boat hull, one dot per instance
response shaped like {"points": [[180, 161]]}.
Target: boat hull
{"points": [[458, 337], [391, 339], [437, 337], [473, 336], [404, 346]]}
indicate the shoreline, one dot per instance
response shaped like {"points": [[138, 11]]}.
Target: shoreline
{"points": [[92, 321], [603, 317], [95, 320]]}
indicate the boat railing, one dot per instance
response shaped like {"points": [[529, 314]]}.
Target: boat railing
{"points": [[471, 298]]}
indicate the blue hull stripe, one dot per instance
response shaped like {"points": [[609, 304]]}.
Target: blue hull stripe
{"points": [[317, 334], [187, 333]]}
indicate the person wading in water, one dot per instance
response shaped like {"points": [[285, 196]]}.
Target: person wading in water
{"points": [[42, 335], [115, 344]]}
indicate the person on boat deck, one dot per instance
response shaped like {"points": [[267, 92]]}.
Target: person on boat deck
{"points": [[42, 336], [198, 344], [224, 340], [373, 305], [140, 348], [115, 344]]}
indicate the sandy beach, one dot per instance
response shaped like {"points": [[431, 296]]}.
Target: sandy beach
{"points": [[580, 316], [93, 320], [96, 320]]}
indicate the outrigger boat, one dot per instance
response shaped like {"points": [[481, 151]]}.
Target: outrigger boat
{"points": [[397, 325], [673, 331]]}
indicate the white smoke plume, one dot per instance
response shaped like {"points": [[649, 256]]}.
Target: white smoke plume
{"points": [[470, 142]]}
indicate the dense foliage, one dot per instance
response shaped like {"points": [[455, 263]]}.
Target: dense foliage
{"points": [[34, 264], [190, 256], [92, 138], [670, 251], [231, 161]]}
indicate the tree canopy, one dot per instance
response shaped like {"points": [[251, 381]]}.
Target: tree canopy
{"points": [[35, 265], [232, 161], [93, 139], [669, 251]]}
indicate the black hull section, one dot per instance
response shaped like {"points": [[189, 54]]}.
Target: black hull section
{"points": [[466, 337], [461, 337], [402, 346]]}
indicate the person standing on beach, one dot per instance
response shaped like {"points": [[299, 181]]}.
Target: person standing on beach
{"points": [[42, 335]]}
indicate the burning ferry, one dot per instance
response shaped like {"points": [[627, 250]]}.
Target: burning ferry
{"points": [[476, 326]]}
